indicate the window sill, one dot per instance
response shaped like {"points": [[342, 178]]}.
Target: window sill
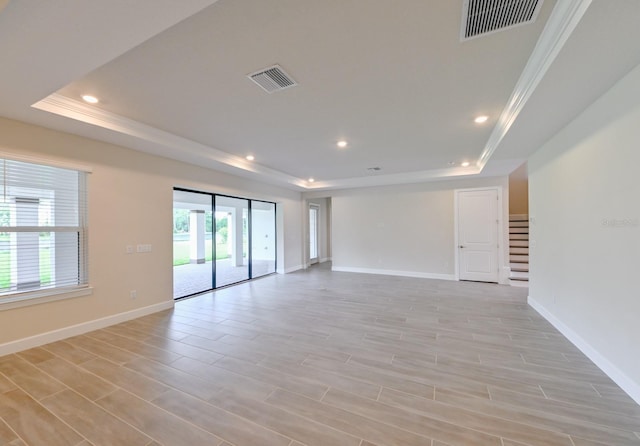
{"points": [[12, 301]]}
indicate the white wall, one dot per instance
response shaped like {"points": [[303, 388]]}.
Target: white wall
{"points": [[519, 191], [584, 193], [130, 202], [262, 232], [402, 230]]}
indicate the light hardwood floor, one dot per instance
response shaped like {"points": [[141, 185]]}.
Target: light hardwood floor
{"points": [[320, 358]]}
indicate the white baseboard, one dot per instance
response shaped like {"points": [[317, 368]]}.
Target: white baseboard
{"points": [[506, 273], [291, 269], [389, 272], [78, 329], [631, 387], [325, 259]]}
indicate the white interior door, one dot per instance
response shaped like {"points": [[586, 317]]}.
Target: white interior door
{"points": [[477, 223]]}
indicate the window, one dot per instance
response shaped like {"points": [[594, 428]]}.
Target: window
{"points": [[43, 230]]}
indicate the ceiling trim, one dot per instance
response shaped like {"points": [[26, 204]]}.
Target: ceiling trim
{"points": [[184, 149], [563, 20], [398, 178]]}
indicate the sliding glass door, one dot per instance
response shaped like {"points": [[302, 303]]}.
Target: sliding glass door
{"points": [[192, 243], [219, 240], [232, 240]]}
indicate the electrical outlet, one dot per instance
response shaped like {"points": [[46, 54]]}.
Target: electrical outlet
{"points": [[129, 249], [133, 294]]}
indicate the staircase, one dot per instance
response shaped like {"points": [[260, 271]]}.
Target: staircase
{"points": [[519, 250]]}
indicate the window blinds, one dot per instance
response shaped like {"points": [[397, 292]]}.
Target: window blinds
{"points": [[43, 227]]}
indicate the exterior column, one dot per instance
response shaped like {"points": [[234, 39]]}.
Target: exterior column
{"points": [[235, 235], [28, 243], [239, 236], [196, 236]]}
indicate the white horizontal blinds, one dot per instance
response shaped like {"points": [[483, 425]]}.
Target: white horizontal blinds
{"points": [[43, 227]]}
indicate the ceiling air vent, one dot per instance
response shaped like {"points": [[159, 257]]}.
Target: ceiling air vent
{"points": [[481, 17], [273, 79]]}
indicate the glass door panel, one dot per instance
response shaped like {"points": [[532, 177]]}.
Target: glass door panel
{"points": [[263, 238], [192, 243], [232, 240]]}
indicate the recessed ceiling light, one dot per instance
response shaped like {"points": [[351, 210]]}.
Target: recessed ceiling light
{"points": [[250, 157], [480, 119], [342, 144], [90, 99], [465, 164], [310, 180]]}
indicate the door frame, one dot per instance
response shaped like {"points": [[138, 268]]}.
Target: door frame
{"points": [[316, 259], [502, 274], [250, 201]]}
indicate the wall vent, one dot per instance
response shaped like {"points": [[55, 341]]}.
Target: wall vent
{"points": [[272, 79], [480, 17]]}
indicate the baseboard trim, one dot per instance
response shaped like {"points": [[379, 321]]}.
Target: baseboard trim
{"points": [[506, 274], [290, 270], [78, 329], [618, 376], [325, 259], [389, 272]]}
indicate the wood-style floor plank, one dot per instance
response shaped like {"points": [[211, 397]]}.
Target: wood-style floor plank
{"points": [[320, 358], [33, 423]]}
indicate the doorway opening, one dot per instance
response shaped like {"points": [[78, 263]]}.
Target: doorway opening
{"points": [[314, 210]]}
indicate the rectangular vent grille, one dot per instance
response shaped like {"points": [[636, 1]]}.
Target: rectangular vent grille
{"points": [[273, 79], [481, 17]]}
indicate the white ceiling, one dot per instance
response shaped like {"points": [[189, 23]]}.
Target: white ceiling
{"points": [[390, 77]]}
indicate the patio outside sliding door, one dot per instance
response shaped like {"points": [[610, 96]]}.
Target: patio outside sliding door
{"points": [[232, 240]]}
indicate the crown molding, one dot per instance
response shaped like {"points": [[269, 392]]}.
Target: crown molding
{"points": [[563, 20], [187, 150], [561, 23], [397, 178], [182, 149]]}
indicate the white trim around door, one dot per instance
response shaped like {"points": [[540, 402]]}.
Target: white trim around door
{"points": [[478, 234]]}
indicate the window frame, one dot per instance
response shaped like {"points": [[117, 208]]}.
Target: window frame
{"points": [[18, 298]]}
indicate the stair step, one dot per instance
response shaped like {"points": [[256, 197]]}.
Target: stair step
{"points": [[518, 230], [520, 267], [519, 275], [519, 283], [518, 224], [518, 236], [518, 258], [519, 250], [518, 217], [519, 243]]}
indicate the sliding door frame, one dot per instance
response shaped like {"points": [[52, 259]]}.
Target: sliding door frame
{"points": [[213, 196]]}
